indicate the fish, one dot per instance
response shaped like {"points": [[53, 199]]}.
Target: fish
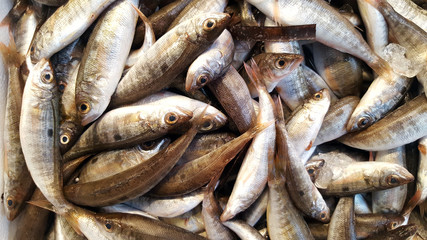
{"points": [[358, 177], [104, 59], [252, 176], [402, 126], [38, 131], [123, 126], [18, 184], [109, 163], [64, 26], [422, 174]]}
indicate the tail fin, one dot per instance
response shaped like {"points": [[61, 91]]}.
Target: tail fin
{"points": [[9, 53], [411, 204], [150, 37], [254, 74]]}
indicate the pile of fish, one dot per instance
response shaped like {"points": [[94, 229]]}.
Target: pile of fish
{"points": [[135, 119]]}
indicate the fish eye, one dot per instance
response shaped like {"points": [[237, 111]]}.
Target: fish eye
{"points": [[10, 202], [207, 125], [323, 216], [47, 77], [32, 49], [64, 139], [310, 171], [62, 86], [363, 121], [108, 226], [171, 118], [84, 107], [280, 63], [209, 24], [393, 180], [318, 95], [147, 145], [202, 80]]}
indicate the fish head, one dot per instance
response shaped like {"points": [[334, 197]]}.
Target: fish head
{"points": [[395, 176], [89, 224], [212, 120], [13, 202], [69, 131], [278, 65], [204, 69], [210, 25], [43, 81], [313, 166], [324, 213], [319, 104], [359, 120], [393, 221]]}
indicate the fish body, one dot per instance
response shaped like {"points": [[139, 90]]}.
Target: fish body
{"points": [[64, 26], [104, 59]]}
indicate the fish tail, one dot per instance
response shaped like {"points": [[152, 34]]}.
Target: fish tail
{"points": [[254, 74], [66, 212], [10, 54], [412, 203], [280, 116], [382, 68]]}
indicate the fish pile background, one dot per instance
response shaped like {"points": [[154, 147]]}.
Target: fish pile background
{"points": [[194, 119]]}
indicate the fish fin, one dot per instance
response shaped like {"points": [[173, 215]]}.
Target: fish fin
{"points": [[254, 74], [150, 37], [371, 156], [45, 204], [276, 12], [319, 186], [9, 53], [422, 149], [383, 68], [280, 116], [411, 204], [199, 120]]}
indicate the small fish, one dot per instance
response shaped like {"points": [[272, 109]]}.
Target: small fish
{"points": [[402, 126], [67, 24], [123, 126], [358, 177]]}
